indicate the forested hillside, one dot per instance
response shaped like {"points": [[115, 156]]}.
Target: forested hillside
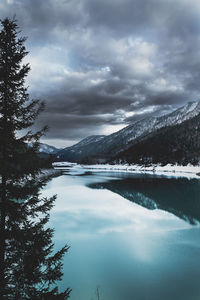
{"points": [[173, 144]]}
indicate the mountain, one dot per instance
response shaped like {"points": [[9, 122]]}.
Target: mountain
{"points": [[87, 141], [172, 144], [80, 150], [47, 155], [44, 148], [103, 148]]}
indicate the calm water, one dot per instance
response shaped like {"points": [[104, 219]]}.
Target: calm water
{"points": [[135, 237]]}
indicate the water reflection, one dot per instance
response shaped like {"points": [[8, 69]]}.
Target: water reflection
{"points": [[129, 250], [178, 196], [81, 209]]}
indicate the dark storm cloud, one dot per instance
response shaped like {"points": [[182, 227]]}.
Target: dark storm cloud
{"points": [[102, 64], [92, 101], [82, 125]]}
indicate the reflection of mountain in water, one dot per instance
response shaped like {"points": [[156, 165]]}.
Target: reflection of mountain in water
{"points": [[178, 196]]}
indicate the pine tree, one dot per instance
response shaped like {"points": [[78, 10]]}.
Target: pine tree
{"points": [[28, 267]]}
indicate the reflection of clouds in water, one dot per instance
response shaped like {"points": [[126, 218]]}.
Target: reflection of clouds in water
{"points": [[81, 210], [130, 251]]}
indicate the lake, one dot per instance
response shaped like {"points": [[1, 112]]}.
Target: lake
{"points": [[131, 236]]}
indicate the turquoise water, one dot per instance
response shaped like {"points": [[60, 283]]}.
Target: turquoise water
{"points": [[134, 237]]}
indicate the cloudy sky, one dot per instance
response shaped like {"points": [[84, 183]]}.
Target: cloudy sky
{"points": [[102, 64]]}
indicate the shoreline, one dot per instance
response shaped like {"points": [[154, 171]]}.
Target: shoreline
{"points": [[188, 171]]}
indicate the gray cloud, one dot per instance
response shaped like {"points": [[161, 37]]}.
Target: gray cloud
{"points": [[103, 64]]}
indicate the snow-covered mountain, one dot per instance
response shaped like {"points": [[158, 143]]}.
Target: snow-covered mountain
{"points": [[177, 144], [103, 147], [148, 125], [85, 142], [74, 152], [44, 148]]}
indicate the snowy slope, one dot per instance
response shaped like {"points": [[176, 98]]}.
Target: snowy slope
{"points": [[88, 140], [148, 125], [44, 148], [105, 146], [80, 149]]}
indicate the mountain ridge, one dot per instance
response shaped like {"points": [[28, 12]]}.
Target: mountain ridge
{"points": [[102, 149], [48, 149], [179, 144]]}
